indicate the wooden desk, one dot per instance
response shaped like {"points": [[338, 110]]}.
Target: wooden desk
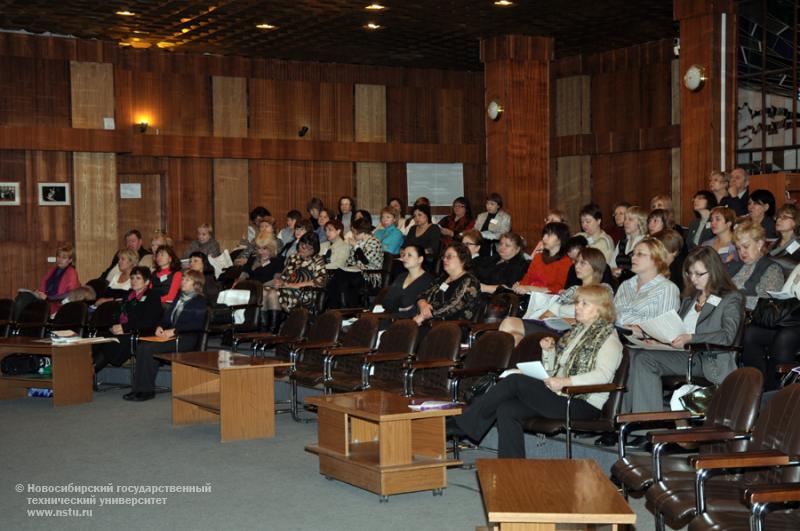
{"points": [[374, 441], [72, 370], [549, 494], [238, 394]]}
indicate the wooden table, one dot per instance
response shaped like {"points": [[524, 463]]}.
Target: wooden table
{"points": [[235, 390], [549, 494], [72, 371], [374, 441]]}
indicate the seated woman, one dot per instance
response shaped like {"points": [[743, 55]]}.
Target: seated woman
{"points": [[59, 279], [198, 261], [459, 220], [403, 221], [387, 232], [589, 267], [425, 234], [286, 235], [617, 229], [635, 228], [119, 281], [266, 230], [139, 313], [159, 239], [166, 280], [712, 311], [658, 220], [302, 227], [754, 273], [456, 295], [786, 250], [493, 223], [304, 269], [548, 270], [766, 348], [673, 243], [205, 242], [265, 264], [588, 354], [402, 296], [592, 225], [346, 284], [722, 221], [700, 227], [335, 250], [761, 207], [347, 207], [180, 330], [325, 215], [505, 268], [648, 293]]}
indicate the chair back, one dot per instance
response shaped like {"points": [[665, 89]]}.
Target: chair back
{"points": [[778, 428], [32, 320], [612, 405], [23, 299], [501, 305], [528, 349], [492, 350], [441, 342], [362, 333], [104, 317], [326, 327], [380, 296], [71, 316], [401, 336], [735, 405], [295, 326], [6, 315], [386, 269]]}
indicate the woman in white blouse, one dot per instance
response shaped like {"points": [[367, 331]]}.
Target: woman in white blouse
{"points": [[635, 226], [649, 293], [592, 226]]}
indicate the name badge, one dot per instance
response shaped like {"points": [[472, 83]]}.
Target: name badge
{"points": [[724, 250], [713, 300], [792, 247], [162, 278], [708, 225], [144, 298], [444, 286], [492, 221]]}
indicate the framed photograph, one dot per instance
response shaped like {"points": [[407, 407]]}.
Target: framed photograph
{"points": [[53, 194], [9, 194]]}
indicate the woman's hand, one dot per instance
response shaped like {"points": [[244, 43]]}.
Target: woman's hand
{"points": [[117, 330], [446, 232], [547, 343], [682, 340], [240, 261], [616, 272], [557, 384], [159, 332], [637, 331], [488, 288], [419, 319], [425, 309], [166, 334], [40, 294]]}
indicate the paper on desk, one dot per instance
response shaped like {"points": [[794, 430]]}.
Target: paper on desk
{"points": [[781, 295], [638, 343], [538, 304], [665, 327], [534, 369], [432, 404]]}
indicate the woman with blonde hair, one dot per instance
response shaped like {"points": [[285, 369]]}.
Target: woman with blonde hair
{"points": [[754, 273], [119, 279], [60, 279], [205, 242], [649, 293], [588, 354], [635, 228]]}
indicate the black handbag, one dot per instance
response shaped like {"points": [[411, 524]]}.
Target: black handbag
{"points": [[776, 313], [18, 364], [480, 387]]}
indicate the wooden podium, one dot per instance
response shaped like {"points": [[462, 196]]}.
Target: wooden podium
{"points": [[374, 441]]}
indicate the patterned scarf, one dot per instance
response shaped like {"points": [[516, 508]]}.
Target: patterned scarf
{"points": [[583, 357]]}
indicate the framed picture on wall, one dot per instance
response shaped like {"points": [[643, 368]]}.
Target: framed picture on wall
{"points": [[53, 194], [9, 194]]}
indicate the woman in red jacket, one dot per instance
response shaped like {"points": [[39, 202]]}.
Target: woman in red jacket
{"points": [[59, 279], [548, 270]]}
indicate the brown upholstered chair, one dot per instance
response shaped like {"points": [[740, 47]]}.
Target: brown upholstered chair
{"points": [[396, 345], [437, 353], [713, 497], [733, 407], [292, 331], [500, 306], [71, 316], [489, 355], [104, 317], [6, 316], [602, 424], [32, 320]]}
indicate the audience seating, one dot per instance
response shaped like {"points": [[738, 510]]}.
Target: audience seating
{"points": [[733, 407], [32, 319], [602, 424], [103, 318], [71, 316], [383, 369], [6, 316], [713, 497], [436, 355], [488, 356]]}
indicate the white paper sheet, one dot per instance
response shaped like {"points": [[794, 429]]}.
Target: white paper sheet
{"points": [[534, 369], [665, 327], [538, 304]]}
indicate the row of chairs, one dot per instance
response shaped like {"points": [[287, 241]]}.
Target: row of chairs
{"points": [[31, 318]]}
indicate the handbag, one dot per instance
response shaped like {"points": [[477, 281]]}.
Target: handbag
{"points": [[19, 364], [697, 401], [776, 313], [480, 387]]}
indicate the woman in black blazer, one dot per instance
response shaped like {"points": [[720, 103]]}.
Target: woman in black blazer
{"points": [[185, 318]]}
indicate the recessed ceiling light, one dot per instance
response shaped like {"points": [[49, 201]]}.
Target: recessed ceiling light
{"points": [[372, 26], [266, 26], [375, 7], [165, 44], [504, 3], [184, 30], [125, 13]]}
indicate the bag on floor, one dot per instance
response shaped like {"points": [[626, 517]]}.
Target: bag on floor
{"points": [[16, 364]]}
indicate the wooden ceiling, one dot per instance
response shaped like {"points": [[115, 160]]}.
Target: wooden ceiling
{"points": [[414, 33]]}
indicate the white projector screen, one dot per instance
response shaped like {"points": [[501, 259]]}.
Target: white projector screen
{"points": [[441, 183]]}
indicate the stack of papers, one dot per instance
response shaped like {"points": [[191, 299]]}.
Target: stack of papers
{"points": [[664, 328], [432, 404], [534, 369]]}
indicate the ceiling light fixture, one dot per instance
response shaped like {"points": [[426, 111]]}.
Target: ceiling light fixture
{"points": [[375, 7], [504, 3], [266, 26], [373, 26], [125, 13]]}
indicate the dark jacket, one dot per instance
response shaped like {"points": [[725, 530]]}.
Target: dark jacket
{"points": [[190, 321], [493, 272], [143, 315], [396, 297]]}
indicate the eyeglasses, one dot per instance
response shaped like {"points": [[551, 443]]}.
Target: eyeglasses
{"points": [[787, 217], [695, 274], [470, 244], [450, 256], [641, 254]]}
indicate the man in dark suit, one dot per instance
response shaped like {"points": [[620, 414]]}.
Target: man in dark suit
{"points": [[739, 192], [133, 241]]}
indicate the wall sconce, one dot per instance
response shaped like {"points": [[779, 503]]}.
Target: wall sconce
{"points": [[303, 131], [142, 126]]}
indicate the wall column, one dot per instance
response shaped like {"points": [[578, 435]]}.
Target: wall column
{"points": [[707, 116], [517, 76]]}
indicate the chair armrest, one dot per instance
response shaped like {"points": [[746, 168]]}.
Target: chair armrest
{"points": [[474, 371], [459, 322], [483, 327], [348, 351], [431, 364], [318, 344], [708, 347], [652, 416], [699, 434], [597, 388], [387, 356], [349, 311], [382, 315], [774, 493], [783, 368], [244, 306], [757, 459]]}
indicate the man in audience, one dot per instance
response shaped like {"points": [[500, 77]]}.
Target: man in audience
{"points": [[740, 193], [133, 241]]}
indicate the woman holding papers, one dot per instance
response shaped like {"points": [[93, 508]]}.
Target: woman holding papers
{"points": [[588, 354], [766, 348], [711, 312], [649, 293]]}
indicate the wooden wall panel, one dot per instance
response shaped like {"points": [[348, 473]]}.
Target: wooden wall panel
{"points": [[371, 186], [370, 113], [229, 106], [631, 176], [231, 201], [572, 187], [34, 91], [92, 94], [96, 214], [189, 198]]}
